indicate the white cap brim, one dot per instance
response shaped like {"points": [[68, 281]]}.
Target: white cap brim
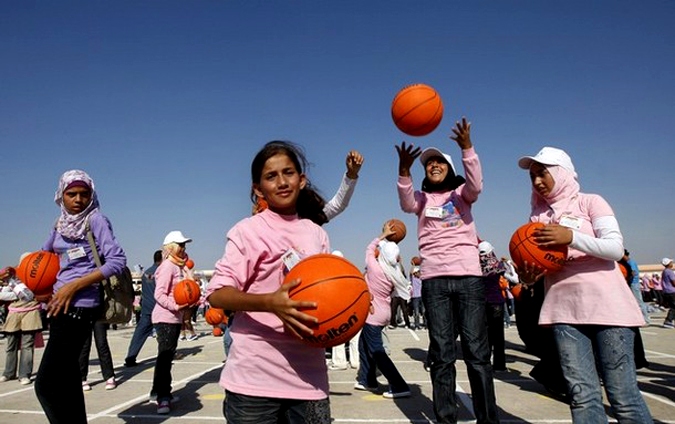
{"points": [[430, 152]]}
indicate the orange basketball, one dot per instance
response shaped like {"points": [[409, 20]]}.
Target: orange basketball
{"points": [[516, 291], [623, 269], [38, 271], [416, 260], [190, 264], [340, 292], [400, 231], [417, 109], [186, 292], [214, 316], [523, 248], [217, 331]]}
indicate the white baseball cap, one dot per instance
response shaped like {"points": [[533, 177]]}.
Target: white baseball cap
{"points": [[338, 253], [549, 156], [430, 152], [666, 261], [176, 237], [485, 247]]}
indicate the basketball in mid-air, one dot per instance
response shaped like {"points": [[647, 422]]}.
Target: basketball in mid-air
{"points": [[190, 264], [417, 109], [399, 230], [186, 292], [416, 261], [523, 248], [340, 292], [38, 271]]}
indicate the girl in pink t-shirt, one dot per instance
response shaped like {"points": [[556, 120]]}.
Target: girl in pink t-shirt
{"points": [[270, 371], [453, 291], [590, 307]]}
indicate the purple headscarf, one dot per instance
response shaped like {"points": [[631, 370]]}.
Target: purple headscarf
{"points": [[69, 225]]}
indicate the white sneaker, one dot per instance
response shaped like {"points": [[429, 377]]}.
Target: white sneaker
{"points": [[4, 378], [396, 395], [334, 367], [111, 384], [85, 386], [25, 381]]}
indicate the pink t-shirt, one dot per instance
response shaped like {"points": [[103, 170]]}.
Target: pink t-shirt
{"points": [[166, 309], [379, 286], [588, 289], [264, 359], [446, 231]]}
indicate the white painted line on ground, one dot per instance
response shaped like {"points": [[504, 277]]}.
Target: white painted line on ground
{"points": [[137, 399]]}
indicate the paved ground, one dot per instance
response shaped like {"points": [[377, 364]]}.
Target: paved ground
{"points": [[520, 399]]}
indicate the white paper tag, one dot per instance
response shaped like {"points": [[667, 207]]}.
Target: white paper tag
{"points": [[434, 212], [76, 253], [290, 258], [570, 222]]}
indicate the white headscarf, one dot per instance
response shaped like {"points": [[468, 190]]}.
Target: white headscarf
{"points": [[388, 260], [69, 225]]}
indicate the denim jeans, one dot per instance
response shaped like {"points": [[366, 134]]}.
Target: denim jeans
{"points": [[417, 311], [27, 339], [579, 347], [457, 305], [373, 356], [167, 342], [141, 333], [243, 409], [669, 302], [495, 323], [102, 349], [58, 376]]}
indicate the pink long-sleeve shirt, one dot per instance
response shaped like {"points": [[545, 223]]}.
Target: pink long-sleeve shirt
{"points": [[264, 359], [379, 286], [166, 309], [448, 244]]}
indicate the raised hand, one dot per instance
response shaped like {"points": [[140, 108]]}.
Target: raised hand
{"points": [[462, 134], [406, 157], [354, 161]]}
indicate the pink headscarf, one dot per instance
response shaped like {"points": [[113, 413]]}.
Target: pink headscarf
{"points": [[564, 193]]}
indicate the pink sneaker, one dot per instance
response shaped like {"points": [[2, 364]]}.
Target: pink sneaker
{"points": [[111, 384]]}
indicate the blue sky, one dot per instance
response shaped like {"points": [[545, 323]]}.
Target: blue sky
{"points": [[165, 104]]}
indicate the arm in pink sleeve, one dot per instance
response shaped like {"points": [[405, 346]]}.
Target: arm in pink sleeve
{"points": [[406, 195], [163, 294], [473, 174]]}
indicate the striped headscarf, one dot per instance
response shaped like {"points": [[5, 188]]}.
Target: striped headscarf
{"points": [[69, 225]]}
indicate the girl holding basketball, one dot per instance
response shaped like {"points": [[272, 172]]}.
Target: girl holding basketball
{"points": [[284, 380], [74, 304], [586, 224], [167, 315], [453, 293], [383, 273]]}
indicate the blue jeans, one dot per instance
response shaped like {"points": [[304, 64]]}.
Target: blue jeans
{"points": [[457, 305], [373, 356], [418, 312], [579, 347], [242, 409], [167, 342], [141, 333], [102, 349], [27, 341]]}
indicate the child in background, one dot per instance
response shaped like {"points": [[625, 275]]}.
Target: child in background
{"points": [[167, 316], [494, 297], [452, 284], [381, 272], [286, 378], [21, 326]]}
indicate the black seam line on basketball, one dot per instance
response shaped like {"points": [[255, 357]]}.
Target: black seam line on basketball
{"points": [[334, 277], [346, 308], [417, 107]]}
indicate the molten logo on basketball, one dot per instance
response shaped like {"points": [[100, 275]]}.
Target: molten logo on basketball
{"points": [[555, 259], [333, 333], [35, 266]]}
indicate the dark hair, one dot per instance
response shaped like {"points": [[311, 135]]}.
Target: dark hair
{"points": [[450, 182], [157, 257], [310, 204]]}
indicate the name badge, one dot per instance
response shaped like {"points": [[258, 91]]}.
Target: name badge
{"points": [[76, 253], [433, 212], [290, 258], [570, 222]]}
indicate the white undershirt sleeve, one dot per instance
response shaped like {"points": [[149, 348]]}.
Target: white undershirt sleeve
{"points": [[608, 242], [340, 200]]}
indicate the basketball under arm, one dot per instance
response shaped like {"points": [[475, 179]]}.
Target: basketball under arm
{"points": [[607, 243]]}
